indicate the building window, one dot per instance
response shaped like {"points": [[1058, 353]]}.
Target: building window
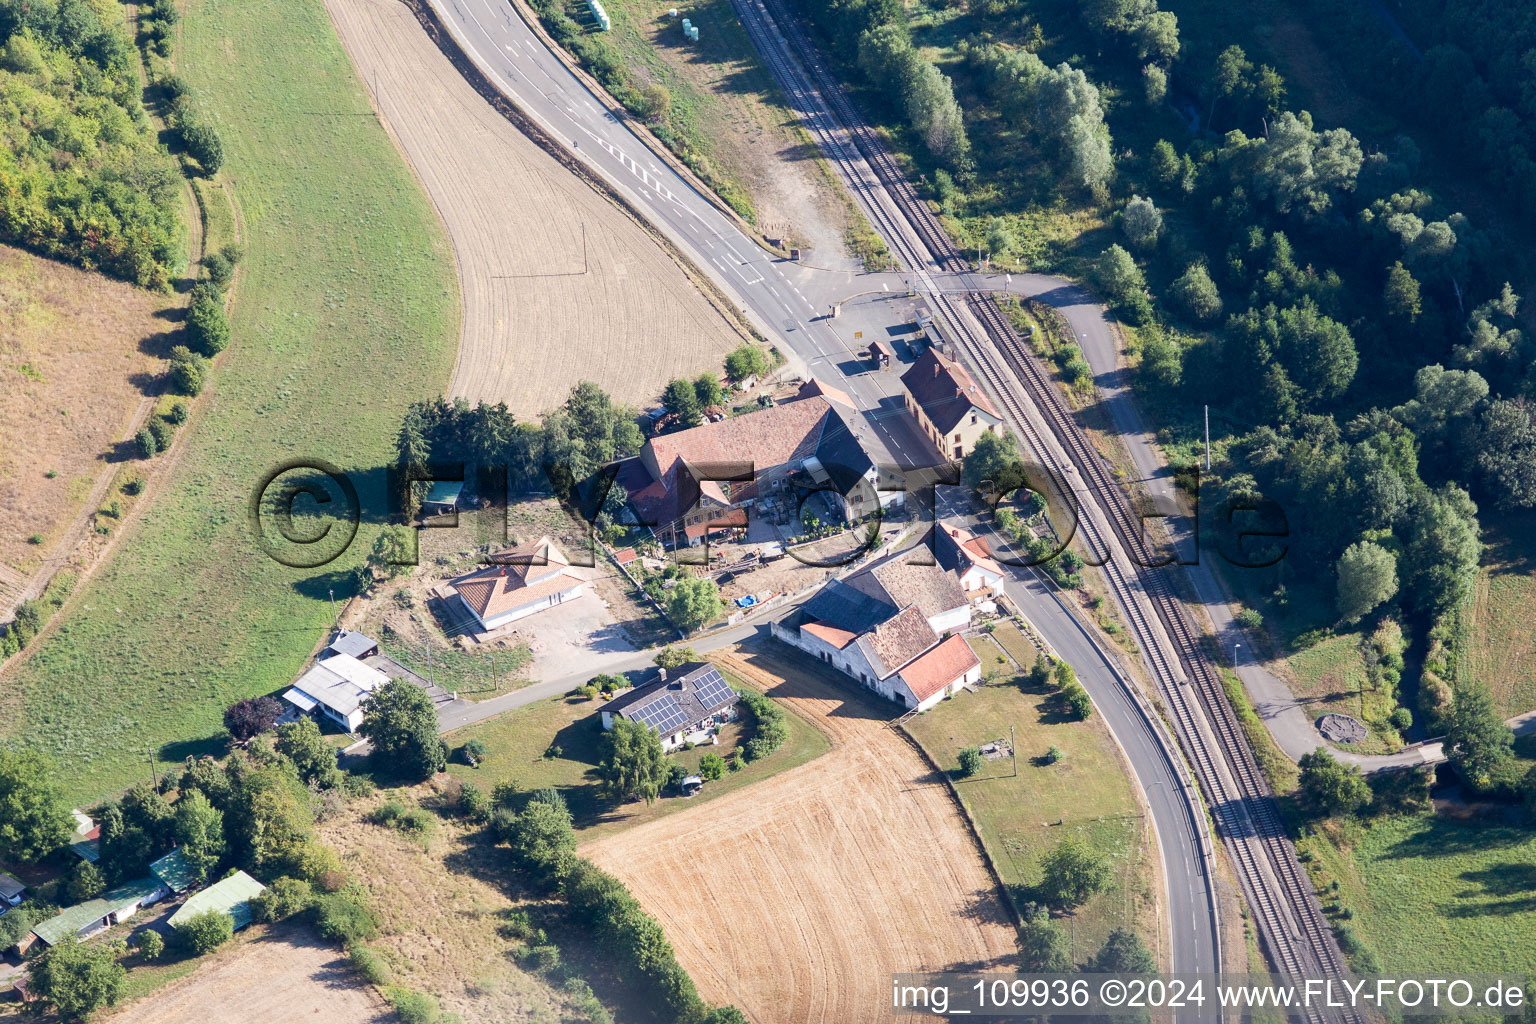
{"points": [[973, 419]]}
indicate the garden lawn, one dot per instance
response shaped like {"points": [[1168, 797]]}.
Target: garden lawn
{"points": [[518, 741], [1433, 893], [347, 311], [1086, 794]]}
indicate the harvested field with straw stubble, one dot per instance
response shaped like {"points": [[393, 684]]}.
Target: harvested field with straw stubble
{"points": [[539, 313], [283, 977], [822, 880]]}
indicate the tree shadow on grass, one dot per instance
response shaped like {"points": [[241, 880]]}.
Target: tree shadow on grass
{"points": [[214, 744], [1440, 839]]}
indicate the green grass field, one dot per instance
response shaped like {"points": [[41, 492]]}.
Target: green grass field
{"points": [[346, 312], [1437, 894], [1085, 794], [519, 740], [1501, 631]]}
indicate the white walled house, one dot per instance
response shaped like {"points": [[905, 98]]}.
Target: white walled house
{"points": [[970, 558], [684, 705], [891, 627], [519, 582], [336, 688]]}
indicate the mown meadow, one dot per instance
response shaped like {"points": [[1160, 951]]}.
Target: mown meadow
{"points": [[346, 311]]}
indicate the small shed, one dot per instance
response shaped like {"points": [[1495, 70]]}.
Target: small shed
{"points": [[81, 921], [353, 644], [624, 556], [443, 498], [232, 896], [10, 891], [881, 352], [691, 785], [173, 871]]}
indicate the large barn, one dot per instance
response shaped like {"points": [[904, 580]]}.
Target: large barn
{"points": [[892, 626]]}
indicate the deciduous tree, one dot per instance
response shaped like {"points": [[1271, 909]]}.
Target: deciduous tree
{"points": [[633, 762], [401, 723], [1327, 787], [1367, 577], [34, 817]]}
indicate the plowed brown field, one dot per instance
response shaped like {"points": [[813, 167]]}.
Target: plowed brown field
{"points": [[534, 323], [797, 898]]}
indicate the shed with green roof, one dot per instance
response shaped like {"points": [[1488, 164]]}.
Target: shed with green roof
{"points": [[231, 895], [174, 871]]}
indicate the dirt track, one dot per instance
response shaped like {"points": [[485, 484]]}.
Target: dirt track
{"points": [[287, 977], [797, 898], [534, 323]]}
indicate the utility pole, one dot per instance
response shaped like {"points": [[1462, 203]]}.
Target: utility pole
{"points": [[335, 619], [153, 774], [1013, 746], [1207, 438], [427, 643], [583, 247]]}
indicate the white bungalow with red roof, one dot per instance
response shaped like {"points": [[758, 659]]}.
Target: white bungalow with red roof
{"points": [[969, 557], [519, 582]]}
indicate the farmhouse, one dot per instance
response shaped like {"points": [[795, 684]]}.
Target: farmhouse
{"points": [[336, 689], [683, 705], [889, 626], [810, 442], [961, 552], [947, 403], [519, 582], [232, 896]]}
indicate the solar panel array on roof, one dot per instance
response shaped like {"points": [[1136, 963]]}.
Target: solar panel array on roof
{"points": [[661, 714], [712, 690]]}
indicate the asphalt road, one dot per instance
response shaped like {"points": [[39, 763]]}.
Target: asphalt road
{"points": [[787, 301]]}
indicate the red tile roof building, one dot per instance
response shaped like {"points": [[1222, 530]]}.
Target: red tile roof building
{"points": [[948, 404], [520, 581]]}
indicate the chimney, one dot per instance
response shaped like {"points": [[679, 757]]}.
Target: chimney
{"points": [[935, 367], [661, 673]]}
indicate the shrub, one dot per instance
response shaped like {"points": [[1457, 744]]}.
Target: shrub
{"points": [[769, 729], [220, 271], [414, 1007], [207, 327], [473, 803], [202, 143], [178, 415], [144, 443], [413, 821], [164, 431], [1052, 755], [150, 944], [1250, 618], [970, 761], [188, 371], [711, 766], [1402, 719], [1077, 701], [133, 486], [369, 964], [206, 932], [541, 958], [345, 917], [473, 752], [233, 253], [282, 899]]}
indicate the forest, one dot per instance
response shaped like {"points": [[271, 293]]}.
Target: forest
{"points": [[83, 177], [1355, 333]]}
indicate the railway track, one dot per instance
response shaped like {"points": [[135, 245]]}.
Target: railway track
{"points": [[1286, 910]]}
